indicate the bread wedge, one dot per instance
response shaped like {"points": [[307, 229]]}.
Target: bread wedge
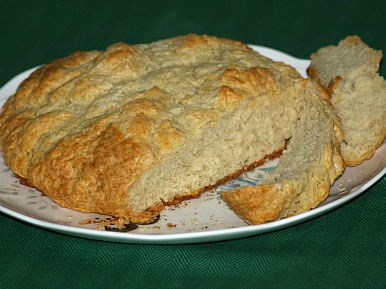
{"points": [[306, 169], [357, 92]]}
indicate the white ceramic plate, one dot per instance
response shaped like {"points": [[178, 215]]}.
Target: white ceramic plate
{"points": [[200, 220]]}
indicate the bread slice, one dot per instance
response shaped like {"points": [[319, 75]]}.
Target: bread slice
{"points": [[306, 170], [358, 94], [128, 130]]}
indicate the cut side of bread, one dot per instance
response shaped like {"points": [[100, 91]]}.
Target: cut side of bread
{"points": [[306, 169], [350, 73]]}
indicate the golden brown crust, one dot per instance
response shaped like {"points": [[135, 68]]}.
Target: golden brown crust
{"points": [[313, 73], [259, 204]]}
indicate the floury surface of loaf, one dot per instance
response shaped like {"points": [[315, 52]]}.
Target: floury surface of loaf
{"points": [[128, 130]]}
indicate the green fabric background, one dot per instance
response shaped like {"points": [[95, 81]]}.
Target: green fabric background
{"points": [[345, 248]]}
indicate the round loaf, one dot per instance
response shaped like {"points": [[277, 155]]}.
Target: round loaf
{"points": [[128, 130]]}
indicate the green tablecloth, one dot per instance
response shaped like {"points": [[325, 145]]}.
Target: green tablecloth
{"points": [[345, 248]]}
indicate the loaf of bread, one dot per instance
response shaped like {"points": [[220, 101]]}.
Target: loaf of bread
{"points": [[128, 130], [358, 94]]}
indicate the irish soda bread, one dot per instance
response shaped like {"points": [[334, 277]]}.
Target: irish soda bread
{"points": [[128, 130], [358, 94]]}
